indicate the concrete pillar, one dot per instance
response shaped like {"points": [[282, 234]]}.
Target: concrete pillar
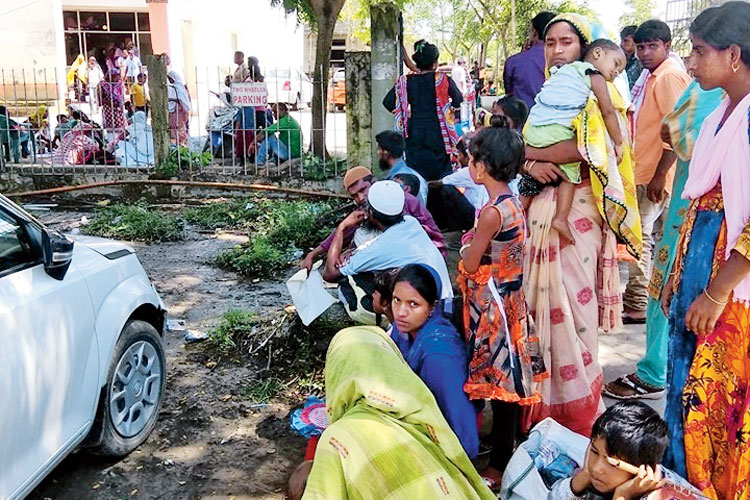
{"points": [[359, 138], [157, 18], [385, 28], [157, 90]]}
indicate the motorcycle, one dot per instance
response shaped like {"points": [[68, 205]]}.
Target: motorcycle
{"points": [[220, 127]]}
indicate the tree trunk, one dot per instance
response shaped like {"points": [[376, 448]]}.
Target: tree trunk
{"points": [[157, 71], [326, 14]]}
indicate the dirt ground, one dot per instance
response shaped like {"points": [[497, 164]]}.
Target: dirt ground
{"points": [[209, 442]]}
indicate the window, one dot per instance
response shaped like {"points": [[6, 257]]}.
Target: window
{"points": [[94, 33], [70, 20], [121, 21], [93, 21], [72, 47], [16, 249]]}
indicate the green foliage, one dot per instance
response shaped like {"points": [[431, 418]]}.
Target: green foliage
{"points": [[281, 228], [181, 158], [302, 8], [258, 258], [231, 213], [234, 323], [316, 169], [137, 222], [263, 390], [292, 356], [638, 11]]}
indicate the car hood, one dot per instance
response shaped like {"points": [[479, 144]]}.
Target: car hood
{"points": [[103, 246]]}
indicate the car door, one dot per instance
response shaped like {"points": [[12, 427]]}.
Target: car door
{"points": [[48, 366]]}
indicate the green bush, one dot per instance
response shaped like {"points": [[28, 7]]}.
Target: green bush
{"points": [[232, 213], [181, 158], [258, 258], [235, 323], [281, 228], [315, 169], [298, 223], [137, 222]]}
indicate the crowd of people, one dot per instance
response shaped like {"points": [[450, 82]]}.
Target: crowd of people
{"points": [[595, 145]]}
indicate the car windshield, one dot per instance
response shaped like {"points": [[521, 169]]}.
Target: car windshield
{"points": [[279, 73]]}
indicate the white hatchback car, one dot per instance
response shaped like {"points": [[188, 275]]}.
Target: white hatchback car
{"points": [[81, 356]]}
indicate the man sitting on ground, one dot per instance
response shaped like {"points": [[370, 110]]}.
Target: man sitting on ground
{"points": [[391, 147], [402, 242], [289, 143], [357, 182]]}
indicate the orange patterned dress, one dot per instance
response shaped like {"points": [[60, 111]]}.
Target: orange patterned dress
{"points": [[505, 362]]}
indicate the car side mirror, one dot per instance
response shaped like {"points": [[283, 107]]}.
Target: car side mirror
{"points": [[58, 253]]}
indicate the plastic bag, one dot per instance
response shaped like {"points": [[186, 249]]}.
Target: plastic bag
{"points": [[309, 294], [522, 480]]}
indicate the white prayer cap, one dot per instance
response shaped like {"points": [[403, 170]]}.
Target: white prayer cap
{"points": [[386, 197]]}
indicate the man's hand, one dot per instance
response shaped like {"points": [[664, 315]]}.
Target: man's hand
{"points": [[657, 188], [646, 481], [544, 172], [308, 262], [353, 219]]}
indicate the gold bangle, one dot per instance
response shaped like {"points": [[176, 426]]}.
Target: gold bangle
{"points": [[529, 167], [705, 292]]}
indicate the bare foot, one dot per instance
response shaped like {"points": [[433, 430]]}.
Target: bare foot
{"points": [[563, 229]]}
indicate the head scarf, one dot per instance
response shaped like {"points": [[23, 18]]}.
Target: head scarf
{"points": [[579, 24], [178, 91], [138, 148], [386, 436], [37, 118], [78, 68]]}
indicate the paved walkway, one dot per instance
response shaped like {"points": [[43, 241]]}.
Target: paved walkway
{"points": [[618, 354]]}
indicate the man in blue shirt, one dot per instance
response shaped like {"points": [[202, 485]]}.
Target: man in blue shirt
{"points": [[402, 242], [391, 148], [523, 74]]}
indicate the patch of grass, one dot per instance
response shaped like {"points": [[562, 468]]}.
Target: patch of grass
{"points": [[257, 258], [181, 158], [232, 213], [262, 391], [135, 222], [234, 323], [281, 228], [290, 356]]}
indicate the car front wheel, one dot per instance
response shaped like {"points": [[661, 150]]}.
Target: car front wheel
{"points": [[134, 390]]}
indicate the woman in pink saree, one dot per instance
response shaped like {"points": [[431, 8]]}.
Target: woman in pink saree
{"points": [[571, 290]]}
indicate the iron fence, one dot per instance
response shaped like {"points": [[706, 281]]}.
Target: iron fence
{"points": [[92, 124]]}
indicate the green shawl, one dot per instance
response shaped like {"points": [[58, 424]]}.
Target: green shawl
{"points": [[387, 438]]}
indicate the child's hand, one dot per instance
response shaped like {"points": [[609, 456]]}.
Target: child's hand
{"points": [[646, 481], [619, 152]]}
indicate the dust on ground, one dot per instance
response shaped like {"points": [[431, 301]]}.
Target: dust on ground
{"points": [[209, 442]]}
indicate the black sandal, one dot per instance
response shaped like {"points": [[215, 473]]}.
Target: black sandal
{"points": [[641, 389]]}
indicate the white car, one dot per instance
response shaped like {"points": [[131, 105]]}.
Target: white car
{"points": [[289, 86], [81, 362]]}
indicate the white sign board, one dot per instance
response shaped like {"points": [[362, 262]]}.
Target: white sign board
{"points": [[249, 94]]}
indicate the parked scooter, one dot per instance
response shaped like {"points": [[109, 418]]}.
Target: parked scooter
{"points": [[220, 127]]}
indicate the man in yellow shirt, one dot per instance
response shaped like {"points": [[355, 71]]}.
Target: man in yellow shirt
{"points": [[138, 94]]}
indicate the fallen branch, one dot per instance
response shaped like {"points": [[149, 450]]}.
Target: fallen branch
{"points": [[159, 182]]}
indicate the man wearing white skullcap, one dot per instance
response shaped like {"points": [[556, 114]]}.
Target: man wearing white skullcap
{"points": [[402, 242], [357, 182]]}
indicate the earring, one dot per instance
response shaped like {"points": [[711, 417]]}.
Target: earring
{"points": [[480, 176], [735, 68]]}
